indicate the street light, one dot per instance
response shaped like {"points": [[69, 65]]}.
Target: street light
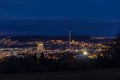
{"points": [[85, 53]]}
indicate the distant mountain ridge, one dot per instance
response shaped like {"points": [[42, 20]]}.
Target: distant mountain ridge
{"points": [[84, 38]]}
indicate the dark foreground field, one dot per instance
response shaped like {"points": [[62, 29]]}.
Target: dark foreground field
{"points": [[101, 74]]}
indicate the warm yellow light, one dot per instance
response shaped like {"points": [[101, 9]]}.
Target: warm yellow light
{"points": [[101, 55], [40, 44], [85, 52], [92, 56]]}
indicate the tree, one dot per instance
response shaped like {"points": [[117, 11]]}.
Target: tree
{"points": [[115, 52]]}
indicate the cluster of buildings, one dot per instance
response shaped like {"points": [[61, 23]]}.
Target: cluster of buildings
{"points": [[10, 47], [51, 47]]}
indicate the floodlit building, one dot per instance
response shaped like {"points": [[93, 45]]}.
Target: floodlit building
{"points": [[40, 47]]}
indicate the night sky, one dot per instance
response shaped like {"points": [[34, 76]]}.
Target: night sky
{"points": [[56, 17]]}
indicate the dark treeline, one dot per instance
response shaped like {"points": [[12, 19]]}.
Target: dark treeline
{"points": [[29, 63], [114, 52]]}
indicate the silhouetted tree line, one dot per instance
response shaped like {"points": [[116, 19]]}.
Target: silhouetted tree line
{"points": [[29, 63], [114, 52]]}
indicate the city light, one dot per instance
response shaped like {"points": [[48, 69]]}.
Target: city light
{"points": [[85, 52], [76, 50]]}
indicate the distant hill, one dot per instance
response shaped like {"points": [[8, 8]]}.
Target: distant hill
{"points": [[36, 37], [84, 38]]}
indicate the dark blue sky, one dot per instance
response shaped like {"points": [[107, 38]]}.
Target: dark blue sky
{"points": [[90, 17]]}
